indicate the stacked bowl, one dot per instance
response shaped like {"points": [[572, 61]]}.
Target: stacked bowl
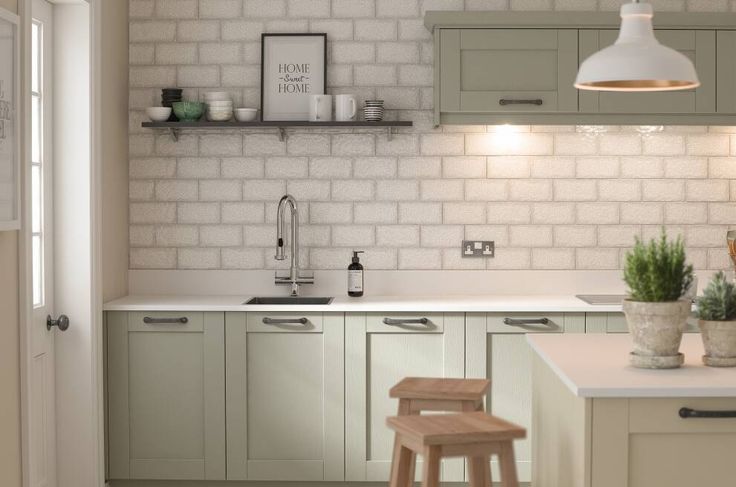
{"points": [[219, 106], [169, 96], [373, 110]]}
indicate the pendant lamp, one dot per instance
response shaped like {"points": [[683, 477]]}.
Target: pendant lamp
{"points": [[637, 61]]}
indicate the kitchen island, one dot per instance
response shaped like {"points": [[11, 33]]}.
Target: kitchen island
{"points": [[599, 422]]}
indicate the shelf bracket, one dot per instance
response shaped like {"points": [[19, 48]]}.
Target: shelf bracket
{"points": [[282, 134], [174, 134]]}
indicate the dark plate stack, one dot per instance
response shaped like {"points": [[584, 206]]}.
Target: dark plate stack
{"points": [[168, 97]]}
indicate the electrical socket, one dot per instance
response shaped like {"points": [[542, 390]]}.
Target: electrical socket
{"points": [[478, 248]]}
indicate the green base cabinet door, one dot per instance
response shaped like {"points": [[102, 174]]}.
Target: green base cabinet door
{"points": [[166, 395], [285, 396], [380, 350]]}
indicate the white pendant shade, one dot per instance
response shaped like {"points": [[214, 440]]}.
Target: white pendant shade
{"points": [[637, 61]]}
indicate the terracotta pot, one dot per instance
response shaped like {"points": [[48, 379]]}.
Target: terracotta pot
{"points": [[719, 340], [656, 330]]}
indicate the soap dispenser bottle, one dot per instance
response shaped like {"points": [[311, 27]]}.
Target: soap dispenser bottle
{"points": [[355, 276]]}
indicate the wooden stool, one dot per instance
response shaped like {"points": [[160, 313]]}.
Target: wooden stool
{"points": [[475, 436], [417, 394]]}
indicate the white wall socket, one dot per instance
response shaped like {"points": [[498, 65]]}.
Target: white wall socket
{"points": [[478, 248]]}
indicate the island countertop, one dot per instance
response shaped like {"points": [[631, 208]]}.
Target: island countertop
{"points": [[598, 366]]}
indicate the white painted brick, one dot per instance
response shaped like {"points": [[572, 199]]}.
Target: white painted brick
{"points": [[707, 190], [464, 213], [186, 146], [509, 212], [708, 145], [354, 8], [397, 190], [375, 213], [330, 258], [220, 53], [220, 190], [705, 236], [243, 167], [597, 259], [198, 168], [500, 143], [140, 190], [397, 8], [416, 75], [442, 190], [442, 144], [308, 8], [243, 258], [575, 144], [141, 236], [336, 30], [353, 145], [177, 236], [353, 235], [287, 167], [664, 145], [553, 258], [220, 9], [597, 167], [339, 75], [141, 54], [597, 213], [246, 212], [259, 235], [221, 235], [352, 190], [142, 98], [141, 8], [530, 236], [552, 167], [242, 30], [309, 189], [716, 259], [722, 168], [419, 167], [176, 9], [378, 259], [260, 190], [530, 190], [221, 145], [413, 30], [176, 190], [397, 52], [198, 258], [375, 30], [453, 259], [722, 213], [375, 75], [508, 258], [497, 233], [508, 167], [575, 190], [463, 167], [330, 167], [642, 213], [486, 189], [618, 235], [663, 190], [654, 232], [642, 167], [353, 52], [315, 235], [397, 236], [399, 98], [198, 76], [264, 8], [331, 213], [442, 235], [152, 212], [140, 145], [553, 213], [198, 212], [399, 145], [620, 144], [620, 190], [287, 25], [686, 213], [152, 76], [152, 258], [420, 259], [308, 144], [197, 30], [374, 167], [263, 145], [420, 213], [151, 31]]}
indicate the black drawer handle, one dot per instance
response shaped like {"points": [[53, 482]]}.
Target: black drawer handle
{"points": [[160, 321], [694, 413], [285, 321], [395, 322], [523, 322], [534, 101]]}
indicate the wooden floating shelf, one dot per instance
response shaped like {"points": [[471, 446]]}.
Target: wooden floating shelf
{"points": [[176, 127]]}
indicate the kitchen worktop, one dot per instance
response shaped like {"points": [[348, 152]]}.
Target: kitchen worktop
{"points": [[598, 366], [459, 303]]}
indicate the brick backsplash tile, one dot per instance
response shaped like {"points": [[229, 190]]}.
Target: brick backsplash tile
{"points": [[453, 259], [309, 189], [442, 190], [707, 190], [140, 190], [552, 167], [220, 9], [397, 235], [686, 213], [664, 145], [353, 235], [618, 235], [197, 168], [508, 167], [397, 52], [239, 30], [486, 190], [176, 53], [336, 30], [177, 190], [441, 235], [141, 236], [353, 190], [331, 212], [466, 213], [553, 213], [177, 236], [141, 8], [597, 259], [553, 258], [287, 167], [643, 213], [152, 212], [497, 233], [397, 190], [330, 167], [245, 258], [620, 190], [264, 8], [509, 213], [354, 8], [642, 167], [708, 145], [151, 31], [198, 213], [597, 167], [420, 259], [220, 190], [597, 213], [198, 30], [152, 258], [199, 258]]}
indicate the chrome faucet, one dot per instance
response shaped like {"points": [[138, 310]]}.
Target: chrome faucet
{"points": [[295, 278]]}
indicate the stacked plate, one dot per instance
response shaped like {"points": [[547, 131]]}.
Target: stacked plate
{"points": [[373, 110], [169, 96], [219, 106]]}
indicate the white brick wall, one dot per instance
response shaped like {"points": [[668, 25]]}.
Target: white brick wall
{"points": [[551, 197]]}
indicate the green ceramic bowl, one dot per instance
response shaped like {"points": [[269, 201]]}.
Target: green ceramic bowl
{"points": [[188, 111]]}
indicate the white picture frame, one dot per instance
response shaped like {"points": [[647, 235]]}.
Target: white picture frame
{"points": [[293, 67], [10, 202]]}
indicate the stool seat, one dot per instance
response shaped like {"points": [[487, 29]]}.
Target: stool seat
{"points": [[440, 389], [455, 429]]}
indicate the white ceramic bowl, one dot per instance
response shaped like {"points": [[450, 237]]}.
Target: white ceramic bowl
{"points": [[158, 114], [219, 117], [220, 104], [245, 114], [217, 96]]}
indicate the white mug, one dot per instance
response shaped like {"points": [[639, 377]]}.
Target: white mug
{"points": [[320, 108], [346, 108]]}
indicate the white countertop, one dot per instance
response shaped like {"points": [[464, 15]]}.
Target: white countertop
{"points": [[598, 366], [460, 303]]}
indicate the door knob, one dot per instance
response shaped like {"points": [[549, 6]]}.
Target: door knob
{"points": [[62, 322]]}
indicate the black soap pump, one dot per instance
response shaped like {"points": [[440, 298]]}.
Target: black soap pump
{"points": [[355, 276]]}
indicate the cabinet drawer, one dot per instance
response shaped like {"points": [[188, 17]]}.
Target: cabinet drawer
{"points": [[405, 322], [525, 323], [169, 321], [662, 415], [284, 322]]}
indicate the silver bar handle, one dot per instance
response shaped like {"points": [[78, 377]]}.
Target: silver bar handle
{"points": [[524, 322], [507, 101], [695, 413], [160, 321], [413, 321], [284, 321]]}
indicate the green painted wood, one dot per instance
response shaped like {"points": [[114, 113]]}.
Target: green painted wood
{"points": [[449, 73], [236, 370], [214, 396], [117, 389], [726, 76], [567, 64], [588, 44], [596, 322]]}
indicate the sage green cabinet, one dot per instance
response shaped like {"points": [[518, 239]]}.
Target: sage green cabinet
{"points": [[377, 356], [166, 395], [616, 323], [285, 396]]}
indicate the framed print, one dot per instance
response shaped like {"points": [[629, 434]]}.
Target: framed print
{"points": [[9, 123], [293, 67]]}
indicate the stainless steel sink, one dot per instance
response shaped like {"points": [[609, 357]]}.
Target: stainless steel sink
{"points": [[602, 299], [287, 300]]}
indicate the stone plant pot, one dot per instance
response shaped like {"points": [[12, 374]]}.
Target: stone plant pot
{"points": [[719, 340], [656, 330]]}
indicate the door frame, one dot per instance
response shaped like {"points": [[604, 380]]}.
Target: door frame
{"points": [[97, 467]]}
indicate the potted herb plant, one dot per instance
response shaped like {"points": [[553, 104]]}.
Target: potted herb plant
{"points": [[658, 277], [717, 321]]}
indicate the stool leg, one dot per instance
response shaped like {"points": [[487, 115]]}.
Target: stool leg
{"points": [[507, 462], [431, 467], [400, 465], [404, 410], [479, 472]]}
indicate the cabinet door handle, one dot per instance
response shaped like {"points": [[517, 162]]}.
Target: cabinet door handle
{"points": [[414, 321], [533, 101], [285, 321], [524, 322], [695, 413], [160, 321]]}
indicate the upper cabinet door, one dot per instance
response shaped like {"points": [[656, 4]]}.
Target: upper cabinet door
{"points": [[726, 48], [698, 45], [508, 70]]}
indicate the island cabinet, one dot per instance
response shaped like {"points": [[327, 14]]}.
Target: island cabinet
{"points": [[285, 396], [496, 348], [616, 323], [166, 395], [380, 350]]}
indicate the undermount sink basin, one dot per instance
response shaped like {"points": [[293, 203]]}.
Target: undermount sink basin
{"points": [[279, 300]]}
